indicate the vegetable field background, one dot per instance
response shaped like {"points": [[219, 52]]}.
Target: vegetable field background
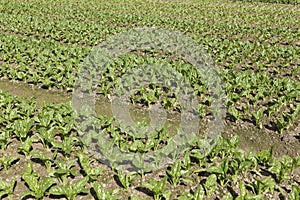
{"points": [[255, 45]]}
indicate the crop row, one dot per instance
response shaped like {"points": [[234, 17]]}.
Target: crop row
{"points": [[43, 146], [279, 61], [45, 43], [234, 44], [83, 11], [294, 2], [105, 23], [257, 97], [195, 18], [39, 62]]}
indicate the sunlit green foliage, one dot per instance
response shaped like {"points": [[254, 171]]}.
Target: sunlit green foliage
{"points": [[44, 43], [224, 167]]}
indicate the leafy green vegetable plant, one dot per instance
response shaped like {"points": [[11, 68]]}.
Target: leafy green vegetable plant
{"points": [[263, 185], [265, 157], [258, 116], [175, 173], [47, 161], [295, 193], [46, 136], [8, 161], [38, 186], [63, 170], [126, 178], [221, 171], [66, 146], [283, 167], [70, 191], [91, 173], [244, 195], [4, 139], [199, 193], [210, 184], [27, 146], [101, 193], [45, 118], [7, 188], [157, 187], [23, 127]]}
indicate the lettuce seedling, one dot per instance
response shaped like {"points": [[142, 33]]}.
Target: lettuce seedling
{"points": [[295, 193], [157, 187], [63, 170], [91, 173], [7, 188], [46, 136], [4, 139], [262, 185], [70, 191], [66, 145], [126, 178], [210, 185], [101, 193], [38, 188], [48, 161], [244, 195], [23, 127], [175, 172], [45, 118], [265, 157], [199, 193], [27, 146], [8, 161]]}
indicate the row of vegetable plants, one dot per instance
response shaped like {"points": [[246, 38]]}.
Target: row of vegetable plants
{"points": [[42, 145], [266, 48], [44, 43], [294, 2], [257, 97], [105, 23]]}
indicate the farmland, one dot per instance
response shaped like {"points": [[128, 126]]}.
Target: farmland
{"points": [[254, 47]]}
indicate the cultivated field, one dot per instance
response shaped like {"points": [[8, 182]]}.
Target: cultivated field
{"points": [[255, 49]]}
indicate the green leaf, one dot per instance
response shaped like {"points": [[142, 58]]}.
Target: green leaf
{"points": [[210, 184], [79, 186], [199, 193], [3, 185], [126, 179], [104, 194], [156, 186], [227, 196], [46, 183], [28, 193], [7, 188], [174, 172], [58, 190], [31, 180], [7, 162], [295, 193]]}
